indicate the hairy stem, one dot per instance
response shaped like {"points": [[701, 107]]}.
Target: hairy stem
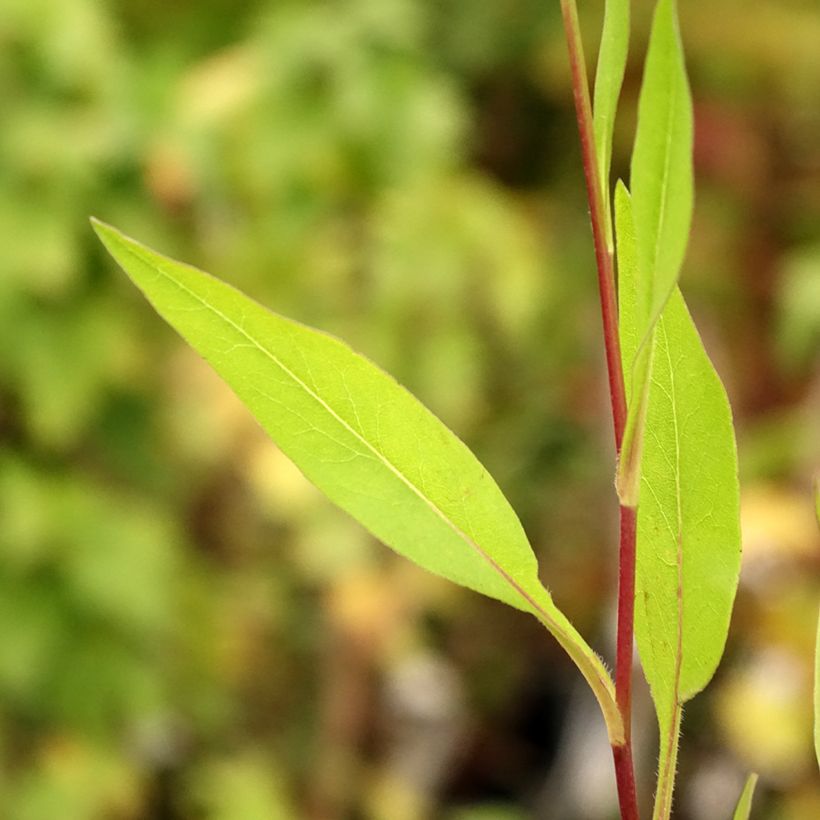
{"points": [[667, 766], [622, 755]]}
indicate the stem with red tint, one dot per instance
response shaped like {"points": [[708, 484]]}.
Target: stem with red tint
{"points": [[622, 755]]}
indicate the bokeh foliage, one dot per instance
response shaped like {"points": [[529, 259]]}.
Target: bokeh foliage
{"points": [[186, 628]]}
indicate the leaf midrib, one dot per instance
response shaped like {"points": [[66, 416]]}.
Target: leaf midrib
{"points": [[667, 165], [665, 779]]}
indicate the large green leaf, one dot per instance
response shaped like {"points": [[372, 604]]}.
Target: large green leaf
{"points": [[744, 804], [688, 542], [662, 192], [609, 77], [364, 441]]}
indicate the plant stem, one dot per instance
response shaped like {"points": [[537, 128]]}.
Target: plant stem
{"points": [[622, 755], [595, 195], [667, 767], [626, 616]]}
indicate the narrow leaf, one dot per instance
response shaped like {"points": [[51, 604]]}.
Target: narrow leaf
{"points": [[636, 352], [364, 441], [609, 78], [688, 543], [662, 165], [662, 191], [744, 804], [817, 694]]}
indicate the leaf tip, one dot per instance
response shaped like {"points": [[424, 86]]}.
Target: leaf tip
{"points": [[744, 803], [104, 231]]}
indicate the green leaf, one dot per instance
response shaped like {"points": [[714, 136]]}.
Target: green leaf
{"points": [[636, 351], [363, 440], [662, 166], [688, 548], [744, 804], [662, 192], [688, 542], [817, 693], [609, 78]]}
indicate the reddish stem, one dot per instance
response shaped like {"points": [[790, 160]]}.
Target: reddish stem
{"points": [[625, 778], [595, 196], [626, 616], [622, 755]]}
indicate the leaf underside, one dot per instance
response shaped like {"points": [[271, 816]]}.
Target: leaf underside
{"points": [[363, 440], [688, 540]]}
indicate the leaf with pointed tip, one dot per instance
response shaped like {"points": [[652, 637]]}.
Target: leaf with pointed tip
{"points": [[363, 440], [688, 540], [744, 804], [662, 193], [662, 166], [609, 77]]}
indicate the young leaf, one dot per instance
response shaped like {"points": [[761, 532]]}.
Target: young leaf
{"points": [[817, 693], [364, 441], [688, 541], [662, 192], [609, 78], [662, 165], [636, 352], [744, 804]]}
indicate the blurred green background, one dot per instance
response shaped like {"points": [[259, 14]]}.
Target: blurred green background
{"points": [[187, 629]]}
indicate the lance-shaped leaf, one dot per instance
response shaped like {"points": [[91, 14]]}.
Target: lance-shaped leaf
{"points": [[609, 77], [744, 804], [364, 441], [662, 165], [817, 693], [662, 193], [688, 540], [636, 351]]}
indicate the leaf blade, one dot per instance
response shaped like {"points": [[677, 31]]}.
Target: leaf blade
{"points": [[609, 77], [662, 181], [693, 438], [636, 350], [688, 545], [744, 804], [662, 173], [817, 694], [688, 538], [369, 445]]}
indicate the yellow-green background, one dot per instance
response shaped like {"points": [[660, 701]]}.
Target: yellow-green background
{"points": [[187, 629]]}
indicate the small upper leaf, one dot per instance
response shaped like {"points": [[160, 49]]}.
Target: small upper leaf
{"points": [[662, 166], [662, 201], [609, 78], [744, 804], [817, 695], [363, 440], [636, 351]]}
